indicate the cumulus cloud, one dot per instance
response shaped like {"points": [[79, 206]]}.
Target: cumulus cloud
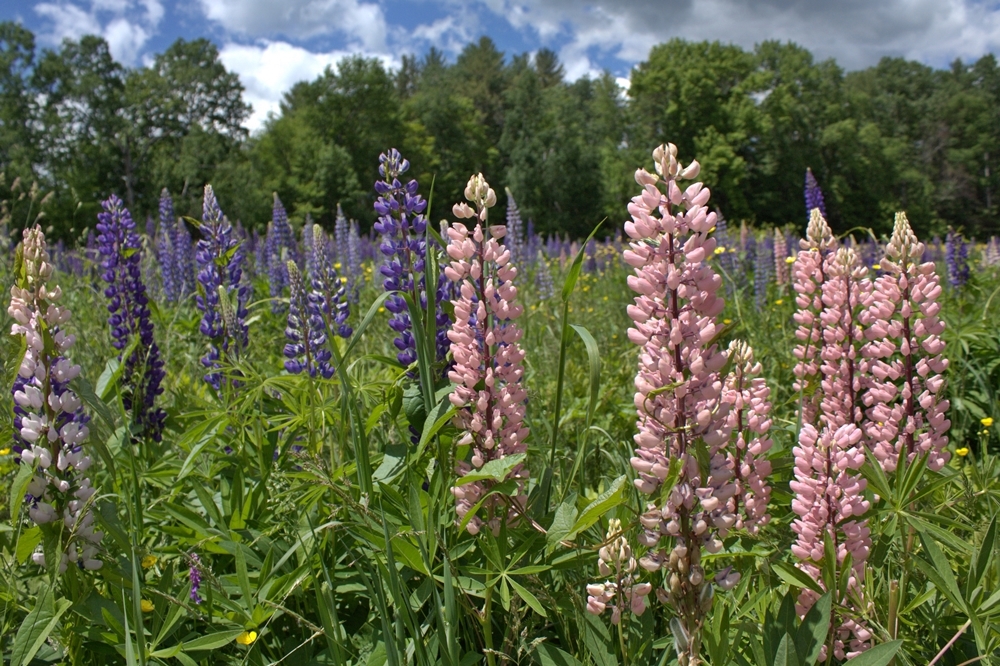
{"points": [[854, 32], [126, 25], [361, 23], [268, 69]]}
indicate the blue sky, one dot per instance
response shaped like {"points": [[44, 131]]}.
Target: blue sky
{"points": [[272, 44]]}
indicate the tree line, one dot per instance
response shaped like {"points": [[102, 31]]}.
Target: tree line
{"points": [[898, 135]]}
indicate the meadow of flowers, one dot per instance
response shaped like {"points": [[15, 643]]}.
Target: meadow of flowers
{"points": [[680, 441]]}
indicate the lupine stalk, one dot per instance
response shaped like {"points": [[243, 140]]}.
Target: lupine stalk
{"points": [[49, 422], [991, 253], [166, 255], [544, 286], [623, 591], [328, 293], [487, 368], [220, 258], [763, 268], [845, 291], [130, 319], [829, 503], [404, 245], [780, 257], [749, 400], [809, 273], [514, 240], [905, 406], [679, 393], [956, 259], [306, 347]]}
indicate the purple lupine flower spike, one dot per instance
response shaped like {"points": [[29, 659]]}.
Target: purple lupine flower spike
{"points": [[352, 263], [814, 195], [194, 576], [403, 227], [328, 293], [120, 246], [956, 257], [306, 347], [544, 286], [220, 260], [514, 240]]}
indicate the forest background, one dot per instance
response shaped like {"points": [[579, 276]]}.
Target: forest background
{"points": [[897, 136]]}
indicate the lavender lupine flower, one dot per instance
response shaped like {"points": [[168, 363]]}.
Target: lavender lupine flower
{"points": [[306, 347], [780, 257], [277, 253], [514, 240], [341, 229], [488, 366], [184, 260], [749, 400], [165, 257], [814, 196], [50, 425], [328, 293], [679, 391], [544, 286], [845, 291], [991, 253], [956, 259], [194, 577], [307, 250], [220, 258], [905, 406], [829, 500], [403, 227], [352, 263], [763, 269], [809, 272], [130, 319], [623, 591]]}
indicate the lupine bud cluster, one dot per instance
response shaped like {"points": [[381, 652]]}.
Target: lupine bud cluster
{"points": [[404, 245], [829, 502], [220, 261], [487, 368], [905, 408], [50, 426], [991, 253], [174, 252], [279, 249], [194, 577], [623, 591], [809, 273], [130, 320], [328, 291], [680, 397]]}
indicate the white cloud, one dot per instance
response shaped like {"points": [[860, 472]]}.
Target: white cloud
{"points": [[121, 23], [363, 24], [269, 69]]}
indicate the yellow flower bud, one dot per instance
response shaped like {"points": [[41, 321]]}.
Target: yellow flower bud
{"points": [[962, 452], [146, 605], [987, 422], [148, 561], [246, 638]]}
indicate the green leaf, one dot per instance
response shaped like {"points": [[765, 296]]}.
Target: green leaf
{"points": [[37, 626], [550, 655], [393, 462], [527, 596], [942, 577], [594, 359], [811, 636], [27, 543], [786, 655], [880, 655], [604, 502], [18, 488], [982, 559], [212, 641], [562, 524], [494, 470]]}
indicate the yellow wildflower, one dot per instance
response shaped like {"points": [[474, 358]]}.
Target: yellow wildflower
{"points": [[337, 265], [246, 638], [962, 452], [727, 322], [720, 250], [148, 561], [605, 298], [381, 309], [779, 301], [987, 422], [789, 260], [146, 605], [877, 267], [5, 451]]}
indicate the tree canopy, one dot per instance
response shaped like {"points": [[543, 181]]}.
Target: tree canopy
{"points": [[898, 135]]}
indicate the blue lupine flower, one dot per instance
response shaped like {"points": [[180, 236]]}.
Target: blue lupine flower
{"points": [[120, 246], [514, 239], [307, 245], [543, 278], [763, 269], [220, 261], [814, 195], [403, 227], [352, 263], [956, 259], [306, 347]]}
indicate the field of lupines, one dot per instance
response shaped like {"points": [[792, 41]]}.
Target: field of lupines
{"points": [[459, 443]]}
